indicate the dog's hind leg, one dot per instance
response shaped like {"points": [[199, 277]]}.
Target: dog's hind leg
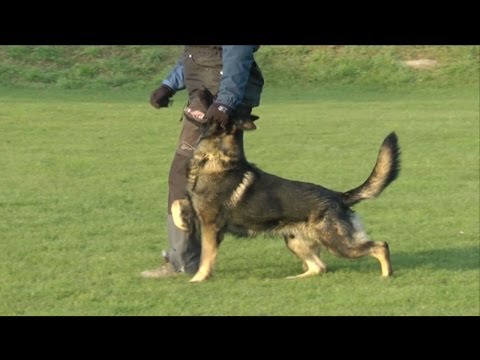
{"points": [[376, 249], [349, 239], [362, 246], [317, 252], [210, 240], [308, 252], [381, 252]]}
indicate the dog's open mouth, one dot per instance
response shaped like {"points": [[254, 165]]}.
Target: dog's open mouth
{"points": [[195, 116]]}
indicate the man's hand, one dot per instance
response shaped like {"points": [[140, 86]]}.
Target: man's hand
{"points": [[219, 113], [161, 97]]}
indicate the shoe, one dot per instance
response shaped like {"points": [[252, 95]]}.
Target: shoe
{"points": [[164, 271]]}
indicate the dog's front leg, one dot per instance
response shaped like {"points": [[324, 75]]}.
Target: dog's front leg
{"points": [[182, 213], [209, 252]]}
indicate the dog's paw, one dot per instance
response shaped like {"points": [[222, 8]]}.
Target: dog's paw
{"points": [[177, 215], [199, 277], [308, 273]]}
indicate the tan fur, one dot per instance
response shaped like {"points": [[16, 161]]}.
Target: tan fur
{"points": [[382, 254], [177, 214], [305, 250], [237, 195], [382, 167]]}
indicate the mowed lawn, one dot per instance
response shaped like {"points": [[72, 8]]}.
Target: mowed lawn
{"points": [[83, 188]]}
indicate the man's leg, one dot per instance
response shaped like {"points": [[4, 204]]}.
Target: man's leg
{"points": [[184, 251]]}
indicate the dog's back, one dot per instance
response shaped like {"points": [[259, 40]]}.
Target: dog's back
{"points": [[269, 202]]}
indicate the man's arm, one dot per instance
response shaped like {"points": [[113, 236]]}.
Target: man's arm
{"points": [[237, 62], [175, 80], [171, 84]]}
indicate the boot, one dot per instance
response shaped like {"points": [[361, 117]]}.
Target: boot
{"points": [[177, 241], [164, 271], [183, 256], [185, 249]]}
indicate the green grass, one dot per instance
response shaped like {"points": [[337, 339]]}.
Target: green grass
{"points": [[140, 67], [83, 178]]}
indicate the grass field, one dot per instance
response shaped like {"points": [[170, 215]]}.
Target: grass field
{"points": [[83, 177], [142, 66]]}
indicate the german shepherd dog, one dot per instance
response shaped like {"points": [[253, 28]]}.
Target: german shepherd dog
{"points": [[225, 193]]}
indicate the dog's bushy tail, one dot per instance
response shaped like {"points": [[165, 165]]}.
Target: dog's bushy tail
{"points": [[385, 171]]}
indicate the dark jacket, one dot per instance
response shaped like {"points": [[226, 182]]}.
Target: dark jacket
{"points": [[236, 64]]}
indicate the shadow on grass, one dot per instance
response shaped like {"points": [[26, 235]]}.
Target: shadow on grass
{"points": [[467, 258], [454, 259]]}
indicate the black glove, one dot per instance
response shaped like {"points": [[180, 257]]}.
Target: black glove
{"points": [[219, 113], [161, 97]]}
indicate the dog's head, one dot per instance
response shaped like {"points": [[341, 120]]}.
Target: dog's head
{"points": [[200, 100], [235, 125], [225, 138], [210, 128]]}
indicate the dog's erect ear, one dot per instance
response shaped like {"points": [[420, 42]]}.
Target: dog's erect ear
{"points": [[246, 123], [211, 127]]}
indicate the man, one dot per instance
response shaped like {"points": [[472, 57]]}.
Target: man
{"points": [[230, 76]]}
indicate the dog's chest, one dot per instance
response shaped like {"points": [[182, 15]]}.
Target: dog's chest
{"points": [[216, 190]]}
